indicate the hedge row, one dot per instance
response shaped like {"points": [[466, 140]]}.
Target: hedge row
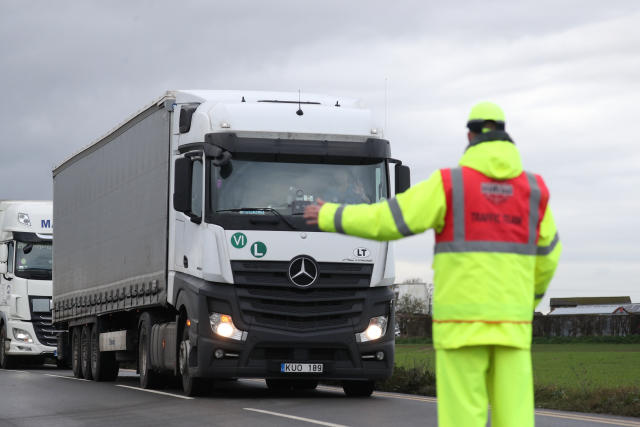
{"points": [[623, 401]]}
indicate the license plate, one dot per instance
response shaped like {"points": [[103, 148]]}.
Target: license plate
{"points": [[306, 368]]}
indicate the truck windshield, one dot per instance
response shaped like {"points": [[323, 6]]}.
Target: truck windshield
{"points": [[289, 187], [33, 260]]}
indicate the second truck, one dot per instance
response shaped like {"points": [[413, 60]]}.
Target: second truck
{"points": [[180, 244]]}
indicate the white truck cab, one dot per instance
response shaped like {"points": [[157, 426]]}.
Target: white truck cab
{"points": [[26, 233]]}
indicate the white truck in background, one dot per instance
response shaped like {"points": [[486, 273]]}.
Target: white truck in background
{"points": [[26, 235], [180, 244]]}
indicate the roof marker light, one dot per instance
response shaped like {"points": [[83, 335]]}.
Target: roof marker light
{"points": [[23, 218], [225, 125]]}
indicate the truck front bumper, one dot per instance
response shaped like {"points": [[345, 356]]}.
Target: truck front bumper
{"points": [[267, 347], [15, 347]]}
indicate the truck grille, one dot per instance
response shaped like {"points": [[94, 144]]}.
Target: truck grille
{"points": [[44, 329], [266, 297], [45, 332]]}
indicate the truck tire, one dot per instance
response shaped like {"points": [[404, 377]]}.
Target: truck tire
{"points": [[76, 351], [358, 388], [6, 361], [190, 385], [104, 366], [85, 352], [149, 378]]}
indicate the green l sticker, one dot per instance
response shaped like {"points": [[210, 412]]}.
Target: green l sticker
{"points": [[258, 249], [239, 240]]}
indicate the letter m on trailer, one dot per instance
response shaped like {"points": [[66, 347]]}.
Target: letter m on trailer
{"points": [[45, 223]]}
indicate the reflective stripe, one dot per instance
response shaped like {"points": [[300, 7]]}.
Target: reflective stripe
{"points": [[337, 219], [546, 250], [534, 202], [538, 296], [396, 212], [457, 188], [486, 246]]}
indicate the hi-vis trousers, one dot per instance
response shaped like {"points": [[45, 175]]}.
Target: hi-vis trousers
{"points": [[470, 378]]}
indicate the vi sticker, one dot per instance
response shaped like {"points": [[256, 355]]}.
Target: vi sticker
{"points": [[239, 240], [258, 249]]}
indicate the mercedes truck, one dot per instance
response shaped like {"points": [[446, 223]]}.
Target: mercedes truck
{"points": [[181, 247], [26, 333]]}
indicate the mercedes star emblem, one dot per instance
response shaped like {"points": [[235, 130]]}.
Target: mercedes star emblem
{"points": [[303, 271]]}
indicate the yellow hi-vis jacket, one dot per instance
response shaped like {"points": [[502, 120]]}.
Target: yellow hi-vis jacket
{"points": [[483, 294]]}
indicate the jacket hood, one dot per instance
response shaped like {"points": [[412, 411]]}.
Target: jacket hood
{"points": [[495, 159]]}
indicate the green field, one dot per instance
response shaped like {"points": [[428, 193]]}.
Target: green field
{"points": [[569, 366]]}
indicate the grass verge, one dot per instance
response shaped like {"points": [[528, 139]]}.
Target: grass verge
{"points": [[584, 377]]}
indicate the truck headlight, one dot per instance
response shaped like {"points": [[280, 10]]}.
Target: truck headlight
{"points": [[23, 218], [376, 329], [222, 324], [22, 335]]}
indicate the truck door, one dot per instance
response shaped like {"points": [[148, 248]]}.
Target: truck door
{"points": [[189, 202]]}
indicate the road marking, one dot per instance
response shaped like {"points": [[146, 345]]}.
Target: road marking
{"points": [[613, 421], [66, 377], [574, 417], [179, 396], [293, 417]]}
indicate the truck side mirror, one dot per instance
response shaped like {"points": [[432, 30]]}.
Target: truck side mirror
{"points": [[4, 255], [182, 185], [403, 178]]}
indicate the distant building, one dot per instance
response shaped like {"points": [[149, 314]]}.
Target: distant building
{"points": [[629, 309], [556, 303], [587, 309]]}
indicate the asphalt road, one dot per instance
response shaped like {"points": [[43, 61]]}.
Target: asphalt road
{"points": [[52, 397]]}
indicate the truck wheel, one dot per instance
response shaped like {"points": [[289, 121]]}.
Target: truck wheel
{"points": [[358, 388], [6, 361], [85, 352], [76, 353], [190, 385], [104, 366], [148, 377]]}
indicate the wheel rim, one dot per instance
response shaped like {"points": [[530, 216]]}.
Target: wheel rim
{"points": [[76, 352], [3, 334], [143, 356], [94, 355], [184, 357]]}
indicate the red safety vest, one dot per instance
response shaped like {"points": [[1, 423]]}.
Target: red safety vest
{"points": [[490, 215]]}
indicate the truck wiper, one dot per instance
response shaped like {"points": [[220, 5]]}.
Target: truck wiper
{"points": [[278, 214]]}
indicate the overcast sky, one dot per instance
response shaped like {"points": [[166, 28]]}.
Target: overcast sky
{"points": [[567, 74]]}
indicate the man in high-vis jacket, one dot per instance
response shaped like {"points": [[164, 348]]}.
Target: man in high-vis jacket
{"points": [[496, 251]]}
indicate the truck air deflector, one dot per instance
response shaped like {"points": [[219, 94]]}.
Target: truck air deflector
{"points": [[372, 148]]}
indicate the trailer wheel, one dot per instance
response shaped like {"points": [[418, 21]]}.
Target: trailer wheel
{"points": [[76, 353], [190, 385], [85, 352], [148, 377], [358, 388], [6, 361], [104, 366]]}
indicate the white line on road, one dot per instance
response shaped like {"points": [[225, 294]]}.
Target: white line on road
{"points": [[66, 377], [577, 417], [293, 417], [179, 396]]}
